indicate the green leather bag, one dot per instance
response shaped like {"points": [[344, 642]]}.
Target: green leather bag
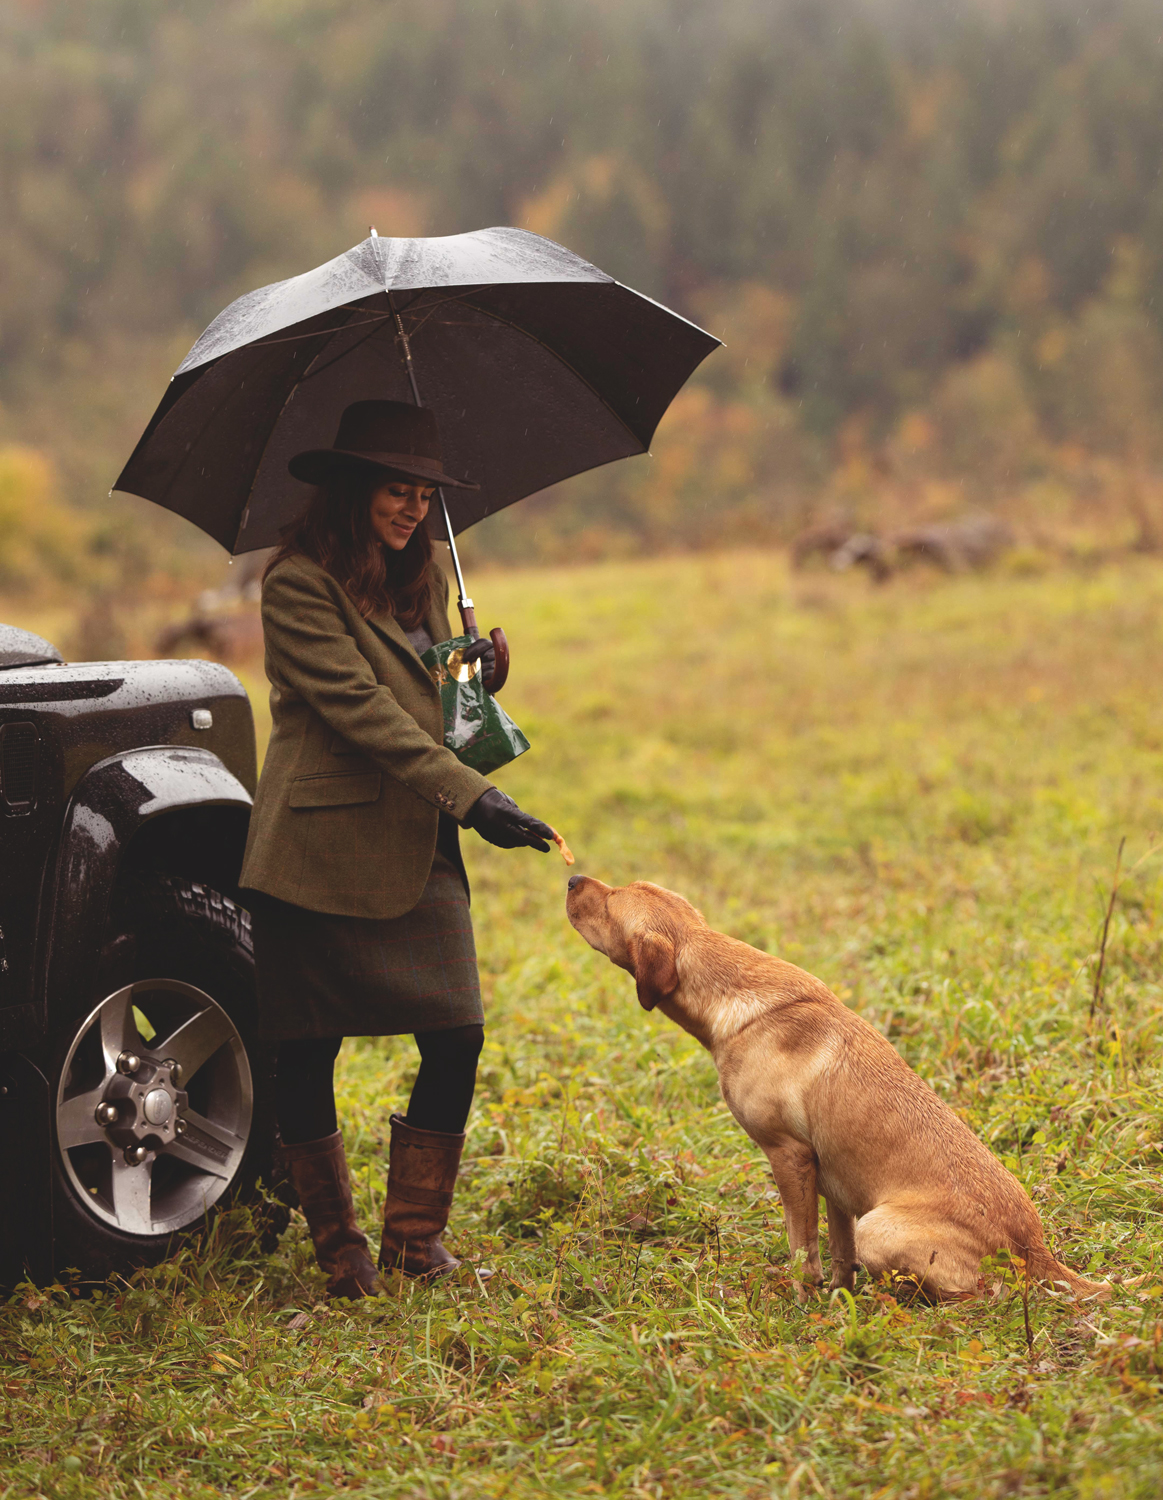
{"points": [[476, 728]]}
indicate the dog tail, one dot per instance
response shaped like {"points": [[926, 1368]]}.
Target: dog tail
{"points": [[1043, 1267]]}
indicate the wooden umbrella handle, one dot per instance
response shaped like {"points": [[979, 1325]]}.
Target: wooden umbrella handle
{"points": [[500, 673]]}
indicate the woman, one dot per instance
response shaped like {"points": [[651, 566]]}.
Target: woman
{"points": [[360, 917]]}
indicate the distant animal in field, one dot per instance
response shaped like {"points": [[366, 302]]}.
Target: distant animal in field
{"points": [[910, 1190], [864, 549], [827, 538], [960, 546], [956, 546]]}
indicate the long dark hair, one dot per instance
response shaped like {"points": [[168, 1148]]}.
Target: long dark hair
{"points": [[335, 531]]}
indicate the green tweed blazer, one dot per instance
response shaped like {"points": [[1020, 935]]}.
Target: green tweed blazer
{"points": [[356, 775]]}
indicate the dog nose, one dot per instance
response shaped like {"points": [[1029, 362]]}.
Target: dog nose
{"points": [[572, 881]]}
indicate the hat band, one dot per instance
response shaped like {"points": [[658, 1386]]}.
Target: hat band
{"points": [[393, 460]]}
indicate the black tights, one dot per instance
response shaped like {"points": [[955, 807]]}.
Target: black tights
{"points": [[441, 1096]]}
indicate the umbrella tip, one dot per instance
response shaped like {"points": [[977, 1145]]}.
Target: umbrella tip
{"points": [[373, 231]]}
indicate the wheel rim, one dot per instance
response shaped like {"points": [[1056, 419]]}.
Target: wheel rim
{"points": [[154, 1107]]}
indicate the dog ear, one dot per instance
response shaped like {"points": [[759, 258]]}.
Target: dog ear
{"points": [[654, 968]]}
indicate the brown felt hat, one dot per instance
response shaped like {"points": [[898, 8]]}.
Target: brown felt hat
{"points": [[388, 435]]}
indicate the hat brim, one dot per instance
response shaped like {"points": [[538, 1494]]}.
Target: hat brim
{"points": [[315, 464]]}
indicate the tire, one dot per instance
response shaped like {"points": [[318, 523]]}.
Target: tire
{"points": [[145, 1156]]}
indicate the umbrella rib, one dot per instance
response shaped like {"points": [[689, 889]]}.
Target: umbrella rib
{"points": [[213, 415], [466, 298], [226, 397], [532, 337], [310, 373], [319, 333], [294, 338], [244, 513], [431, 308], [307, 374]]}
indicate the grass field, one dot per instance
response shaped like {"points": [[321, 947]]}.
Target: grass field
{"points": [[918, 793]]}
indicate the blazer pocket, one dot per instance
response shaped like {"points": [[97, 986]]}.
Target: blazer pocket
{"points": [[339, 789]]}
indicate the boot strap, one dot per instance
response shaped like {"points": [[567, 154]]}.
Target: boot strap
{"points": [[407, 1192]]}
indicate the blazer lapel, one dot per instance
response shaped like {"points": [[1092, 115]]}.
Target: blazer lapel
{"points": [[385, 625], [388, 627], [435, 622]]}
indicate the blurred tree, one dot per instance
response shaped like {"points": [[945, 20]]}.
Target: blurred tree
{"points": [[40, 540], [938, 197]]}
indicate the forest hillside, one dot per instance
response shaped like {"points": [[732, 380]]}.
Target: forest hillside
{"points": [[931, 236]]}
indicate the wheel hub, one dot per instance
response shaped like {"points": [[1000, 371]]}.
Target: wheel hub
{"points": [[144, 1107]]}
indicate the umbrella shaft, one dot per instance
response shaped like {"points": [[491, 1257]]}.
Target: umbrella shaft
{"points": [[464, 603], [467, 613]]}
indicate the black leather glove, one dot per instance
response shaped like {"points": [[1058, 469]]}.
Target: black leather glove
{"points": [[498, 819], [482, 651]]}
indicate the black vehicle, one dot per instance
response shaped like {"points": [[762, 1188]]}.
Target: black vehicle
{"points": [[134, 1096]]}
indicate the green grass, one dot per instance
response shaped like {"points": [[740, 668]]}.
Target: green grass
{"points": [[917, 793]]}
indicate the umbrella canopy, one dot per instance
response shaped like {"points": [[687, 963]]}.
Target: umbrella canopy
{"points": [[537, 365]]}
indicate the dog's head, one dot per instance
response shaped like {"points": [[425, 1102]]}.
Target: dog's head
{"points": [[641, 927]]}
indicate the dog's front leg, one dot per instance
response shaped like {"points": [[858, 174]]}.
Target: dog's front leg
{"points": [[841, 1246], [793, 1165]]}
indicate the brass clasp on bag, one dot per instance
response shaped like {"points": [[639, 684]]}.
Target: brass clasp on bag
{"points": [[454, 669]]}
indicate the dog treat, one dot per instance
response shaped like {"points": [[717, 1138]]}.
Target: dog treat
{"points": [[566, 852]]}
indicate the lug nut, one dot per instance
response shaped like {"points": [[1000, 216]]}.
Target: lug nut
{"points": [[175, 1071], [106, 1114], [128, 1063], [135, 1155], [179, 1126]]}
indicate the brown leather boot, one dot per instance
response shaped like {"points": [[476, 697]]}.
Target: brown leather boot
{"points": [[318, 1171], [422, 1167]]}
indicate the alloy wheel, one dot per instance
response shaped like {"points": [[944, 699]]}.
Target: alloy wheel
{"points": [[154, 1107]]}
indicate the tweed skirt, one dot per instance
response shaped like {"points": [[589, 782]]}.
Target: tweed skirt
{"points": [[321, 975]]}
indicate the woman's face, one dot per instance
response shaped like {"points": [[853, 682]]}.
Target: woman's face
{"points": [[397, 508]]}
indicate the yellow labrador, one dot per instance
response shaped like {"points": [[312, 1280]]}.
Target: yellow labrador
{"points": [[909, 1188]]}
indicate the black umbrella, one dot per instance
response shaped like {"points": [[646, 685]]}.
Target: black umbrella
{"points": [[537, 365]]}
